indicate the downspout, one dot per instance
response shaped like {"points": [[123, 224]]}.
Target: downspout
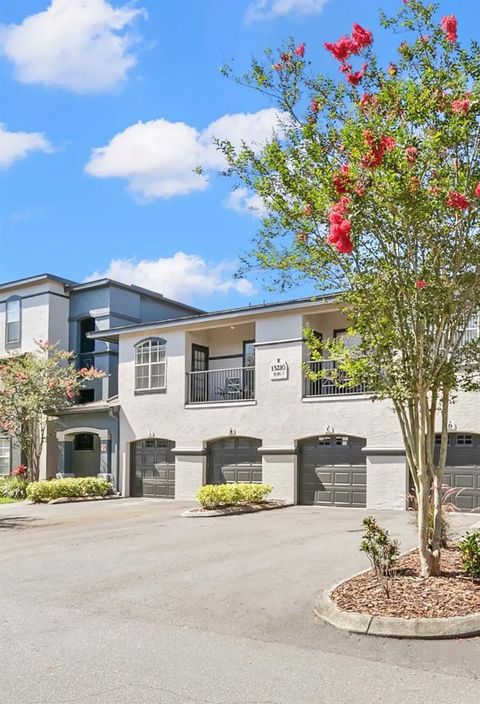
{"points": [[113, 412]]}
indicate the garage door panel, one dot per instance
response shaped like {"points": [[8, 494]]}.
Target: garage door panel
{"points": [[463, 469], [332, 474], [153, 470], [232, 460]]}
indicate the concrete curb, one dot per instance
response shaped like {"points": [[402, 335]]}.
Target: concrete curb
{"points": [[390, 627], [73, 500], [234, 510]]}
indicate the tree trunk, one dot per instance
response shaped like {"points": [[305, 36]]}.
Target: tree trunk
{"points": [[422, 525]]}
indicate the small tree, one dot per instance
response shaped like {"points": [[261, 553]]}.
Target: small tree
{"points": [[372, 183], [34, 387]]}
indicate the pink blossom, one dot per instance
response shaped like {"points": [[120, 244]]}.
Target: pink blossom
{"points": [[462, 105], [314, 106], [361, 37], [421, 283], [300, 50], [355, 78], [457, 200], [449, 26], [342, 49], [308, 209], [341, 180], [412, 154], [477, 190]]}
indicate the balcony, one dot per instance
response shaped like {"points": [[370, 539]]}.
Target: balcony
{"points": [[221, 385], [329, 387]]}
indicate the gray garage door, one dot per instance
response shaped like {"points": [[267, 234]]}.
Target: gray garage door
{"points": [[234, 460], [153, 469], [462, 471], [332, 471]]}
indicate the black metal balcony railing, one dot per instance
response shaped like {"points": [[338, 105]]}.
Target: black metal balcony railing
{"points": [[220, 385], [336, 386]]}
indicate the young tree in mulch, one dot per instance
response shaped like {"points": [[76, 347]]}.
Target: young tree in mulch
{"points": [[372, 183], [34, 387]]}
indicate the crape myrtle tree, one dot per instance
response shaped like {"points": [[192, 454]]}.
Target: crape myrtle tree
{"points": [[34, 387], [372, 185]]}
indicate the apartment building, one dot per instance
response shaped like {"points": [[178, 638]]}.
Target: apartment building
{"points": [[223, 396], [84, 439]]}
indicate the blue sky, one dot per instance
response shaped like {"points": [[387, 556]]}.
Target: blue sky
{"points": [[140, 84]]}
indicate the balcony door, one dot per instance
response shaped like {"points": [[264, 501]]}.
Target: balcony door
{"points": [[199, 381]]}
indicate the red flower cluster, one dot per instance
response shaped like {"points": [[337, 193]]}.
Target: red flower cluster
{"points": [[347, 46], [340, 227], [377, 149], [368, 101], [421, 283], [412, 154], [314, 105], [300, 50], [457, 200], [355, 78], [477, 190], [308, 210], [462, 105], [449, 26], [19, 471], [341, 180]]}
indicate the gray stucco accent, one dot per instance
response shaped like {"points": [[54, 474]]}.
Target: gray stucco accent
{"points": [[186, 451], [278, 450], [383, 450]]}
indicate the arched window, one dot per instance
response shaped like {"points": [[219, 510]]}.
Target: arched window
{"points": [[150, 365], [12, 327]]}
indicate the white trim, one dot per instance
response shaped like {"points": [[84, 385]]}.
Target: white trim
{"points": [[337, 397], [278, 342], [223, 404], [67, 435]]}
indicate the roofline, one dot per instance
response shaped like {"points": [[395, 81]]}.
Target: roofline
{"points": [[113, 333], [34, 279], [97, 283]]}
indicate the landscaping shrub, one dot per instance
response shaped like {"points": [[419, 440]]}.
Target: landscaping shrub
{"points": [[40, 492], [470, 549], [213, 496], [381, 550], [13, 488]]}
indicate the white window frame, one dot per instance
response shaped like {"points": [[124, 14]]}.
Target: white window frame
{"points": [[150, 356], [13, 316]]}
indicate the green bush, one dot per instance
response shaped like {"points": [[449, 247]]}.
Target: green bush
{"points": [[470, 549], [213, 496], [13, 488], [40, 492], [381, 550]]}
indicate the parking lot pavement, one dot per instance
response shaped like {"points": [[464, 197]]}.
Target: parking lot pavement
{"points": [[125, 601]]}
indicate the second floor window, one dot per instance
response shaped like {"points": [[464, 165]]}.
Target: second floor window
{"points": [[12, 332], [150, 365]]}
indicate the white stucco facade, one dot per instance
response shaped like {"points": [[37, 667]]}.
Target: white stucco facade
{"points": [[279, 415]]}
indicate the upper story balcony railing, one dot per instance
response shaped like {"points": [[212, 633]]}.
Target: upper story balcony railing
{"points": [[335, 386], [221, 385]]}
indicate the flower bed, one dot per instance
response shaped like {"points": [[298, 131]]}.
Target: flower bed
{"points": [[413, 596]]}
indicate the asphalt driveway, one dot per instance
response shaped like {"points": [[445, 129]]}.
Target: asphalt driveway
{"points": [[125, 601]]}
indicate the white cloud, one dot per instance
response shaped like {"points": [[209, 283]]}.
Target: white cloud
{"points": [[80, 45], [16, 145], [158, 158], [268, 9], [242, 201], [183, 276]]}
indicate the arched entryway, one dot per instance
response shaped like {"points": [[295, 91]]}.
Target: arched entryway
{"points": [[332, 471], [84, 452], [153, 468], [234, 459]]}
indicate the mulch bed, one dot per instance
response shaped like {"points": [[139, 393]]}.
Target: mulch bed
{"points": [[239, 508], [413, 596]]}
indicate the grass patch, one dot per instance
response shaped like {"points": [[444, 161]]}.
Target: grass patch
{"points": [[5, 500]]}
